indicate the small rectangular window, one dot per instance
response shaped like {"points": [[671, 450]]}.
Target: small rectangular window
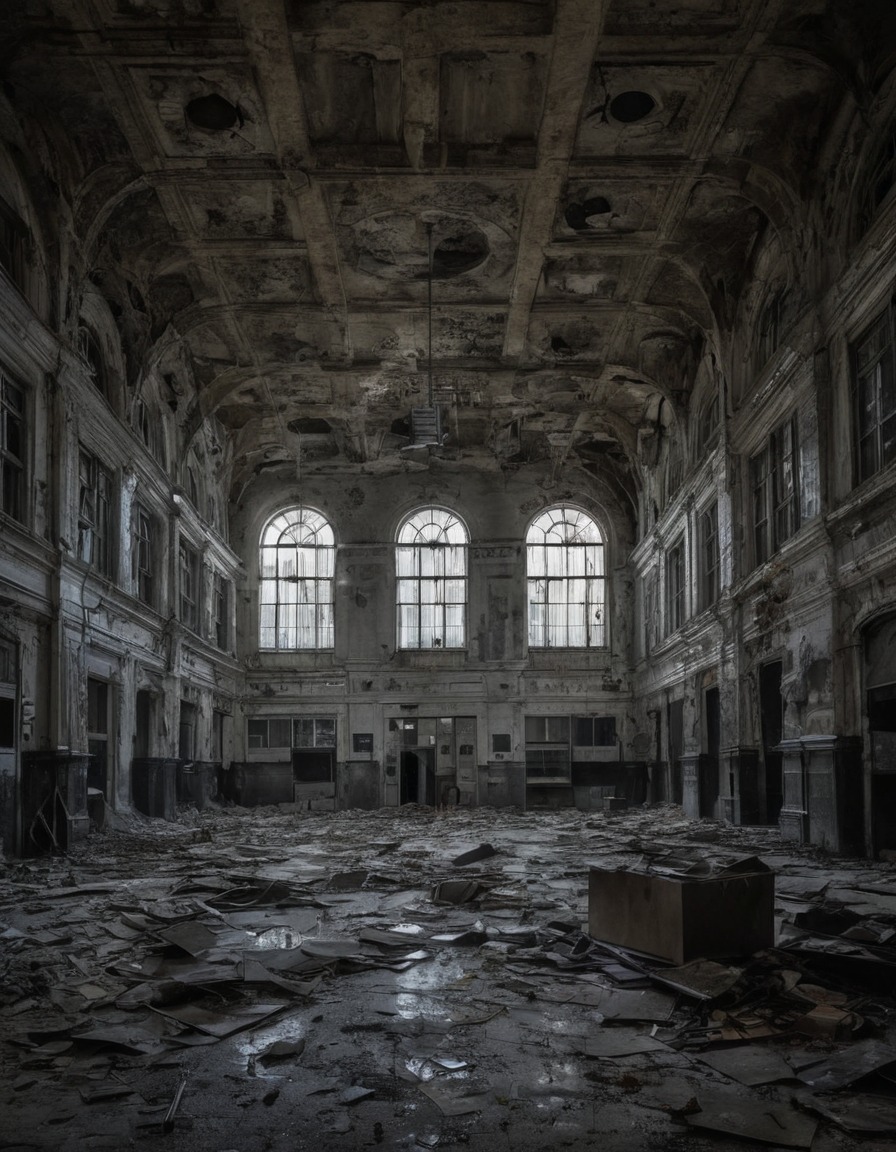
{"points": [[271, 732], [314, 732], [258, 733], [594, 731], [278, 732]]}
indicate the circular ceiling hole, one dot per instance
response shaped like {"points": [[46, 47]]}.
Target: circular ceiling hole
{"points": [[459, 253], [212, 112], [628, 107]]}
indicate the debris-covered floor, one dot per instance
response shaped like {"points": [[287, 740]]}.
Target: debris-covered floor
{"points": [[265, 979]]}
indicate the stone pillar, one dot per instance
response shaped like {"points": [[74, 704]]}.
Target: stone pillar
{"points": [[741, 770], [792, 818], [690, 784]]}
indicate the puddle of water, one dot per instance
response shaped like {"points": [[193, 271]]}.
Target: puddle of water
{"points": [[410, 1006], [279, 937], [431, 976]]}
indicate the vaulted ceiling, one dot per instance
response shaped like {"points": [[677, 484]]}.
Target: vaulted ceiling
{"points": [[256, 181]]}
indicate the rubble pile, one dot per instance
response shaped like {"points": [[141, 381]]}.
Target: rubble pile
{"points": [[427, 978]]}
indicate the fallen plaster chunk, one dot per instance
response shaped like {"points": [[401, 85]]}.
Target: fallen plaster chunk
{"points": [[756, 1118], [450, 1105], [220, 1024], [861, 1115], [748, 1064], [848, 1066]]}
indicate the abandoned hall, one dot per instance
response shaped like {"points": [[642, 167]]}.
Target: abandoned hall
{"points": [[447, 575], [459, 404]]}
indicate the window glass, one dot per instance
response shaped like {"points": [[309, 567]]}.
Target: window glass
{"points": [[296, 565], [431, 580], [565, 569], [12, 449], [875, 397]]}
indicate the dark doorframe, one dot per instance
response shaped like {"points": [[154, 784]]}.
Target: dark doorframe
{"points": [[771, 717], [675, 718], [881, 704], [418, 776], [709, 775]]}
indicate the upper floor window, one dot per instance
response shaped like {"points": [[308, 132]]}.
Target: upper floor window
{"points": [[675, 586], [94, 514], [89, 348], [221, 610], [709, 555], [875, 396], [774, 484], [296, 586], [565, 570], [188, 566], [12, 449], [431, 580], [142, 560], [151, 430]]}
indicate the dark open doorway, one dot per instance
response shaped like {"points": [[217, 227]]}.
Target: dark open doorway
{"points": [[709, 774], [418, 776], [882, 732], [771, 717], [675, 713]]}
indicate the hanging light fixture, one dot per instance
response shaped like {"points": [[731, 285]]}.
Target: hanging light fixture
{"points": [[426, 421]]}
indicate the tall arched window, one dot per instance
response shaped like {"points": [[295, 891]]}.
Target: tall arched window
{"points": [[296, 594], [565, 569], [431, 571]]}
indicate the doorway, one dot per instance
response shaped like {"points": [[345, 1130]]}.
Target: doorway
{"points": [[143, 726], [98, 735], [9, 751], [882, 733], [771, 719], [675, 722], [186, 745], [418, 776], [709, 775]]}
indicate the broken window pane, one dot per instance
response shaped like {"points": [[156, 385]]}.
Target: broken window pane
{"points": [[564, 563]]}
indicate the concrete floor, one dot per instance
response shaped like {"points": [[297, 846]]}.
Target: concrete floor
{"points": [[478, 1044]]}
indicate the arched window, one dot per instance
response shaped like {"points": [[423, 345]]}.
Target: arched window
{"points": [[296, 594], [431, 571], [565, 569]]}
